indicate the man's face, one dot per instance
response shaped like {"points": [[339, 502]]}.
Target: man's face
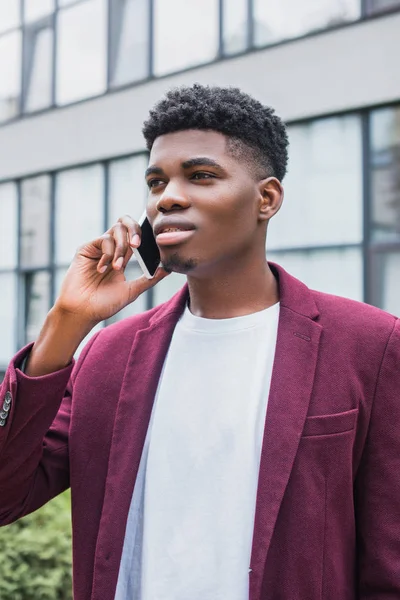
{"points": [[203, 204]]}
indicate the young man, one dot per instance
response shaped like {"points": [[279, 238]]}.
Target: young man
{"points": [[241, 440]]}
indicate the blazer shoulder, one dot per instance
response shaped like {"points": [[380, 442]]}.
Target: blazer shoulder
{"points": [[355, 317]]}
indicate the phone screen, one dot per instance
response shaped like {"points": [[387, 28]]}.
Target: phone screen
{"points": [[148, 249]]}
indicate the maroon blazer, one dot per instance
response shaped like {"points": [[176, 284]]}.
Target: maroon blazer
{"points": [[327, 523]]}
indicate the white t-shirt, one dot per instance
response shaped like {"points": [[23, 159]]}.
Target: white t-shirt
{"points": [[190, 526]]}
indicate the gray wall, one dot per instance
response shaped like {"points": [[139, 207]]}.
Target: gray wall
{"points": [[348, 68]]}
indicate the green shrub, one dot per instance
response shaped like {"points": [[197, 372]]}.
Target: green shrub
{"points": [[35, 554]]}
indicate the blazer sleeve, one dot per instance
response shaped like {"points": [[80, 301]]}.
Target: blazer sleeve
{"points": [[34, 429], [377, 492]]}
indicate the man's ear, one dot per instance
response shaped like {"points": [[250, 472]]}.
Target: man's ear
{"points": [[271, 197]]}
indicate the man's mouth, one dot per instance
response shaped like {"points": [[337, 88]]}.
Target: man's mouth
{"points": [[173, 235]]}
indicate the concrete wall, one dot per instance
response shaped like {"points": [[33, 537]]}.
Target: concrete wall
{"points": [[347, 68]]}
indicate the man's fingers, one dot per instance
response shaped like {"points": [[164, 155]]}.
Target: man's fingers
{"points": [[107, 252], [133, 229]]}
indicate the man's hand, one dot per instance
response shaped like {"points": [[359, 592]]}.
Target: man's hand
{"points": [[94, 289]]}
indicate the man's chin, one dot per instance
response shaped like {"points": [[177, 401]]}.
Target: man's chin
{"points": [[178, 264]]}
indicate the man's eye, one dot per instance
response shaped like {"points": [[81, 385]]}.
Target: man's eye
{"points": [[201, 175], [154, 183]]}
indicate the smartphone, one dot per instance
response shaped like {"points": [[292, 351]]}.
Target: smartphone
{"points": [[148, 254]]}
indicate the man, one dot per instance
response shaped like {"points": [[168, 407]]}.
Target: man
{"points": [[241, 440]]}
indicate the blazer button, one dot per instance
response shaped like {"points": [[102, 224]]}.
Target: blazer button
{"points": [[2, 422], [6, 406], [8, 398], [3, 414]]}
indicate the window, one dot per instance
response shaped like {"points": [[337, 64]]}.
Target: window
{"points": [[277, 20], [129, 51], [38, 67], [127, 189], [235, 26], [10, 75], [375, 6], [37, 302], [386, 281], [9, 14], [8, 226], [8, 316], [336, 271], [385, 174], [37, 9], [181, 38], [81, 51], [35, 222], [79, 210], [323, 187]]}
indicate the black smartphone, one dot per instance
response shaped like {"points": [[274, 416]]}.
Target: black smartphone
{"points": [[148, 254]]}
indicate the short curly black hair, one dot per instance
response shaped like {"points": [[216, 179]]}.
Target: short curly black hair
{"points": [[255, 133]]}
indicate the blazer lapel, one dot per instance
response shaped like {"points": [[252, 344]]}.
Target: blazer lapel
{"points": [[135, 403], [291, 386]]}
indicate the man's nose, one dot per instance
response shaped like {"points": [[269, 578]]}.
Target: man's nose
{"points": [[172, 199]]}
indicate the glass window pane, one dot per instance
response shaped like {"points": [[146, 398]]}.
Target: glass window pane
{"points": [[8, 226], [10, 75], [140, 305], [36, 9], [281, 19], [323, 187], [127, 188], [164, 290], [235, 26], [129, 41], [79, 210], [8, 316], [336, 271], [39, 57], [81, 51], [182, 40], [37, 302], [35, 221], [375, 6], [385, 174], [9, 14], [386, 276]]}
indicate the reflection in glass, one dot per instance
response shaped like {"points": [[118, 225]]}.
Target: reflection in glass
{"points": [[37, 9], [323, 188], [385, 174], [37, 302], [164, 290], [375, 6], [182, 40], [39, 57], [277, 20], [81, 58], [35, 222], [10, 75], [129, 41], [9, 14], [336, 271], [79, 210], [386, 274], [8, 315], [8, 226], [235, 26], [127, 188]]}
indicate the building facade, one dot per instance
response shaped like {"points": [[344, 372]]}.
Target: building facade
{"points": [[77, 78]]}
